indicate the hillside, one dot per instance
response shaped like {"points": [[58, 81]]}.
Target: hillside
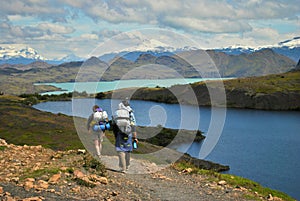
{"points": [[259, 63], [21, 124]]}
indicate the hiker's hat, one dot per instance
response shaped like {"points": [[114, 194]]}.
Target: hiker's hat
{"points": [[126, 101], [99, 109]]}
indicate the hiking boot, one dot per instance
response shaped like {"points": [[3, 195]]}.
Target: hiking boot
{"points": [[123, 171]]}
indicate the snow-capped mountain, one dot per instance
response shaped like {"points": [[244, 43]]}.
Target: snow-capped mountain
{"points": [[25, 55], [10, 52], [155, 46], [145, 46], [71, 57], [289, 48], [19, 54]]}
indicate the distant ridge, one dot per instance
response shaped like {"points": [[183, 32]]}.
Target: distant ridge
{"points": [[258, 63], [289, 48], [10, 54], [263, 62]]}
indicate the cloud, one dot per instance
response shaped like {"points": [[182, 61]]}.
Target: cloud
{"points": [[197, 16], [115, 13], [106, 33], [61, 22], [153, 12], [25, 32], [51, 28], [89, 37], [208, 25], [259, 36], [9, 32], [53, 10], [267, 9]]}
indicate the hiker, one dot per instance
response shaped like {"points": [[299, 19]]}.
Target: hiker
{"points": [[125, 105], [125, 134], [96, 124]]}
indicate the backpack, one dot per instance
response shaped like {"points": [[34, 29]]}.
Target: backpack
{"points": [[122, 120], [100, 116], [98, 119]]}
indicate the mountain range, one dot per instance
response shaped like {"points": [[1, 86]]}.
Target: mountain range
{"points": [[149, 66], [289, 48], [20, 78], [26, 55], [15, 55], [152, 64]]}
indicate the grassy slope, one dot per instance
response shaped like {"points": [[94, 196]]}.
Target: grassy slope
{"points": [[285, 82], [237, 181], [21, 124]]}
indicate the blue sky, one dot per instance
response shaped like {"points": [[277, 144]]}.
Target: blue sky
{"points": [[60, 27]]}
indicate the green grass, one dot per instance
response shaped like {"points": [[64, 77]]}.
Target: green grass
{"points": [[267, 84], [92, 163], [40, 172], [235, 181], [2, 148], [254, 186], [21, 124]]}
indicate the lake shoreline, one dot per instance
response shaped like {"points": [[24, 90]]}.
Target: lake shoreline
{"points": [[278, 92]]}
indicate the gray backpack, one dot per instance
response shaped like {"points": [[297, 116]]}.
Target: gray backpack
{"points": [[122, 120]]}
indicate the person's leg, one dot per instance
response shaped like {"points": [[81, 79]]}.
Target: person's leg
{"points": [[97, 147], [101, 136], [127, 159], [96, 140], [122, 162]]}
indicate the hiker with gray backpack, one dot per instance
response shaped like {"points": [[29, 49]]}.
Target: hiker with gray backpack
{"points": [[97, 124], [123, 124]]}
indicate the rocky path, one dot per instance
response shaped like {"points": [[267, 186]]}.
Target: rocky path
{"points": [[31, 173]]}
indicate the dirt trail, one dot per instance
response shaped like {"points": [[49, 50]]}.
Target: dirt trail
{"points": [[34, 173]]}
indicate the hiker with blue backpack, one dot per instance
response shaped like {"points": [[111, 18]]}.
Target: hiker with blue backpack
{"points": [[97, 124], [125, 134]]}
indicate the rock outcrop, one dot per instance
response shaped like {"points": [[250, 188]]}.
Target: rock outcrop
{"points": [[27, 170], [34, 173]]}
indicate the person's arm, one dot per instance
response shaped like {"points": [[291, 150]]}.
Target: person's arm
{"points": [[133, 118], [129, 109], [88, 125], [134, 133], [105, 116]]}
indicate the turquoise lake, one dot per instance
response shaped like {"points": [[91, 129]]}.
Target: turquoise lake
{"points": [[93, 87]]}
